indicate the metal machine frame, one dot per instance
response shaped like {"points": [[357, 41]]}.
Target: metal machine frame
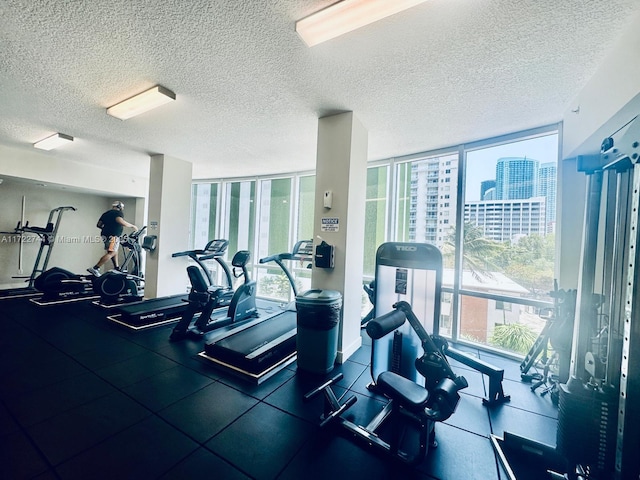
{"points": [[416, 269]]}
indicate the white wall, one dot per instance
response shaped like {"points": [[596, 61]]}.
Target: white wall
{"points": [[52, 168], [609, 99]]}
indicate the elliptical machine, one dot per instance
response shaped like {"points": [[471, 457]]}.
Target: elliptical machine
{"points": [[210, 300], [58, 285], [125, 283]]}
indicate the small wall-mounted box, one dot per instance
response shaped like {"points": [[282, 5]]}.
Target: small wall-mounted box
{"points": [[328, 199], [324, 255]]}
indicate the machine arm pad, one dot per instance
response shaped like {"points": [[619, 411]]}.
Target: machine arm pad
{"points": [[380, 326]]}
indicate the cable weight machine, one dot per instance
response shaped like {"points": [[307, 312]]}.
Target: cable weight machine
{"points": [[600, 403]]}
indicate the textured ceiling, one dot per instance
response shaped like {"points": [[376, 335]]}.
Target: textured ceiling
{"points": [[249, 92]]}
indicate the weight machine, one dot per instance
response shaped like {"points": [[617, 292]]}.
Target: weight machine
{"points": [[410, 406], [599, 405], [557, 334], [48, 235], [412, 272]]}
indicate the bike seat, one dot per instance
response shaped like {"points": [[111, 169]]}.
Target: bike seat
{"points": [[409, 394]]}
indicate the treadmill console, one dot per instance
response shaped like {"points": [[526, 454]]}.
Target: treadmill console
{"points": [[303, 249], [216, 247]]}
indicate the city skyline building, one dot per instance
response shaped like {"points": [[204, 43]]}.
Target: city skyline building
{"points": [[433, 203], [508, 220], [520, 201], [516, 178], [488, 190], [547, 186]]}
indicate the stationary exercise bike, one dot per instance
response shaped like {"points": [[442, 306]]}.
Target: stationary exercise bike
{"points": [[125, 283], [218, 306], [411, 406]]}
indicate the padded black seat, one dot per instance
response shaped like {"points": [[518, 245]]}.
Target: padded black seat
{"points": [[409, 394]]}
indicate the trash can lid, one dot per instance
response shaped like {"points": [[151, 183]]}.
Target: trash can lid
{"points": [[317, 296]]}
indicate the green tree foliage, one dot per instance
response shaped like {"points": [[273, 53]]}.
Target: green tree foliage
{"points": [[529, 261], [275, 286], [480, 254], [516, 337]]}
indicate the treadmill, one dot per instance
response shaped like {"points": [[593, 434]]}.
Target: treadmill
{"points": [[160, 311], [259, 349]]}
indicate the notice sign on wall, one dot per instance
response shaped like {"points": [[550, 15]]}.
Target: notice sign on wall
{"points": [[330, 224]]}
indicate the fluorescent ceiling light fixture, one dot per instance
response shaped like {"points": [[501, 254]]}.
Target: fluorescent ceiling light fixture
{"points": [[347, 15], [143, 102], [54, 141]]}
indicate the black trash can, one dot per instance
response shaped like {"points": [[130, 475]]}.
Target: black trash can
{"points": [[318, 322]]}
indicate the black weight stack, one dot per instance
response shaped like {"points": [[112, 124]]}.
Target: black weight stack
{"points": [[587, 421]]}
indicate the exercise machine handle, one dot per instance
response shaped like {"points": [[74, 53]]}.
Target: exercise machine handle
{"points": [[316, 391], [135, 235]]}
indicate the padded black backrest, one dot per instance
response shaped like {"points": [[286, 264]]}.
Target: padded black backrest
{"points": [[198, 282]]}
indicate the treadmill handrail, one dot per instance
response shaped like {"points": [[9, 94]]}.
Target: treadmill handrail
{"points": [[279, 257]]}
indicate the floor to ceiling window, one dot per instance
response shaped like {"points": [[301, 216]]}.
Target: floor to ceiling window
{"points": [[275, 226], [240, 212], [274, 223], [508, 241], [375, 225], [204, 214], [426, 207], [426, 212], [488, 206], [306, 205]]}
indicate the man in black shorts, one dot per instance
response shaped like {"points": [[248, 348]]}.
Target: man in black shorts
{"points": [[111, 224]]}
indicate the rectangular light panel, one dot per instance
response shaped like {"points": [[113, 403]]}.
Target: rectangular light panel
{"points": [[143, 102], [54, 141], [347, 15]]}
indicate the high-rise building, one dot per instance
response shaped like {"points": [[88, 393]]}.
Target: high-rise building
{"points": [[433, 199], [547, 185], [507, 220], [516, 178], [488, 190]]}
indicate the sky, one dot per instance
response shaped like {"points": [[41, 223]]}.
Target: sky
{"points": [[481, 164]]}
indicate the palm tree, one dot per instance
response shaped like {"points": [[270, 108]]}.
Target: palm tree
{"points": [[478, 252]]}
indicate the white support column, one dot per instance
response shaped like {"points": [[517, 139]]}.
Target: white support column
{"points": [[341, 169], [168, 219]]}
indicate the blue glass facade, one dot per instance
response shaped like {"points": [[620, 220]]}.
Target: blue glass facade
{"points": [[516, 178]]}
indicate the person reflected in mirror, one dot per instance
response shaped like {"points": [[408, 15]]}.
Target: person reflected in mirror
{"points": [[111, 225]]}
